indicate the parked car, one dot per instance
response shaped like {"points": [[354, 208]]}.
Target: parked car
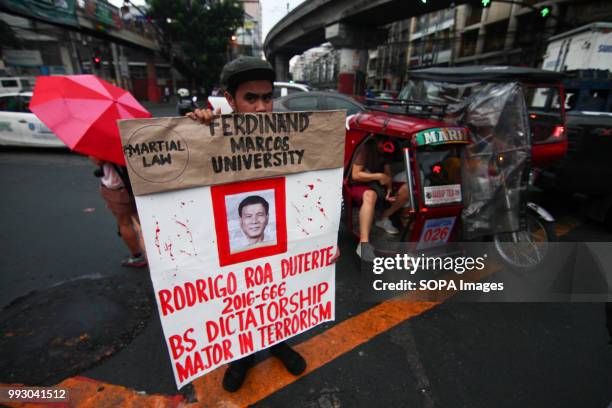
{"points": [[19, 126], [287, 88], [317, 101], [280, 89], [16, 84]]}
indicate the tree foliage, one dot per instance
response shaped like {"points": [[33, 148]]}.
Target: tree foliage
{"points": [[201, 29]]}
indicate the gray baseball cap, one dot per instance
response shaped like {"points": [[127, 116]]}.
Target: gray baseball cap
{"points": [[244, 69]]}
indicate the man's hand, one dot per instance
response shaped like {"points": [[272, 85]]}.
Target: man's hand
{"points": [[204, 116], [389, 197], [384, 180]]}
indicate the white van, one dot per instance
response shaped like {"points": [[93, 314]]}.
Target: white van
{"points": [[16, 84]]}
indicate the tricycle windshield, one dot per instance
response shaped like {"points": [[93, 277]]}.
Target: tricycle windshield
{"points": [[440, 174], [495, 162]]}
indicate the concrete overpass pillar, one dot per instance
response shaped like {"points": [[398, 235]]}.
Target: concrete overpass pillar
{"points": [[352, 71], [153, 93], [281, 66], [352, 43]]}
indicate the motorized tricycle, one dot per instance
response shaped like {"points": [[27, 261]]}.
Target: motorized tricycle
{"points": [[465, 160]]}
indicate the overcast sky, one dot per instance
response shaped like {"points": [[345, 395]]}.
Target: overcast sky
{"points": [[271, 11], [274, 10]]}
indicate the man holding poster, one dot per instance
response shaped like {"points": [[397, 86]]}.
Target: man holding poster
{"points": [[217, 304], [249, 84]]}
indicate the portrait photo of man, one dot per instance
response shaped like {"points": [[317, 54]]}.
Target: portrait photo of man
{"points": [[251, 224]]}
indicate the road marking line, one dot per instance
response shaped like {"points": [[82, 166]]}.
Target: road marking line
{"points": [[270, 375]]}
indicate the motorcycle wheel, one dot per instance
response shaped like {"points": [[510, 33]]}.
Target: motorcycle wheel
{"points": [[528, 249]]}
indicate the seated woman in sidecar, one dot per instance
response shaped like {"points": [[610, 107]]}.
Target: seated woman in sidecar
{"points": [[372, 184]]}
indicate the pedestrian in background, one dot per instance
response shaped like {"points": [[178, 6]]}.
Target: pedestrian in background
{"points": [[116, 191]]}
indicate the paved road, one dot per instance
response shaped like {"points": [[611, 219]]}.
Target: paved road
{"points": [[56, 229]]}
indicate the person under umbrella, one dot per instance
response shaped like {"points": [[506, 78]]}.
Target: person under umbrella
{"points": [[116, 191], [82, 111]]}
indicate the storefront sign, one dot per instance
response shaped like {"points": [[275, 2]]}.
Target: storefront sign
{"points": [[22, 58], [54, 11]]}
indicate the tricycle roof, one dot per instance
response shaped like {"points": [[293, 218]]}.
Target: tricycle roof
{"points": [[494, 73], [393, 124]]}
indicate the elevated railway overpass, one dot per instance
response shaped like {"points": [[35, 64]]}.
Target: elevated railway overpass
{"points": [[352, 26]]}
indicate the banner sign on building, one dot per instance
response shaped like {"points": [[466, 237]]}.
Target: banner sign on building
{"points": [[54, 11], [103, 12], [240, 221], [23, 58]]}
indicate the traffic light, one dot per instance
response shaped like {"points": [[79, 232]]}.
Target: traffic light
{"points": [[485, 3], [544, 12], [96, 59]]}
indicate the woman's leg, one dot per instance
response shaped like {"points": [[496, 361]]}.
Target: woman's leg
{"points": [[138, 229], [128, 233], [366, 215]]}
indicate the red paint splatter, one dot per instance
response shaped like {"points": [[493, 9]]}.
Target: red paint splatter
{"points": [[310, 186], [188, 232], [309, 219], [168, 249], [319, 180], [323, 212], [157, 237], [305, 195]]}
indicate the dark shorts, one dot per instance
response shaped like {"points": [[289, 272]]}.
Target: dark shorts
{"points": [[357, 191], [119, 201]]}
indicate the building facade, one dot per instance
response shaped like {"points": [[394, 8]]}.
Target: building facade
{"points": [[84, 37], [247, 39], [501, 34], [504, 33]]}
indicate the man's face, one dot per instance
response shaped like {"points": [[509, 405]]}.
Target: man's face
{"points": [[252, 97], [253, 220]]}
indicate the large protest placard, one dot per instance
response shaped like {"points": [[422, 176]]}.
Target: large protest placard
{"points": [[240, 222]]}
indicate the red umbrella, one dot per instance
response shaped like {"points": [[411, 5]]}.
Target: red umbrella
{"points": [[82, 110]]}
